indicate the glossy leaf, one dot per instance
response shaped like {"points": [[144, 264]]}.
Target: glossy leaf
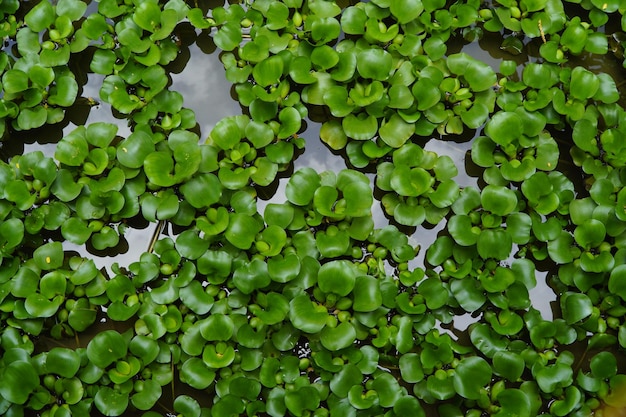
{"points": [[106, 347], [19, 380], [470, 375]]}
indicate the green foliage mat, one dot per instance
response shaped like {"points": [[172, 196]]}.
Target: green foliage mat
{"points": [[308, 308]]}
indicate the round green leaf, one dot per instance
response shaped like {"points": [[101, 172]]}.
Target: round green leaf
{"points": [[504, 127], [374, 64], [340, 337], [337, 276], [395, 131], [367, 294], [49, 256], [196, 374], [470, 376], [301, 186], [132, 151], [405, 11], [18, 380], [217, 327], [110, 402], [590, 233], [269, 71], [306, 315], [148, 396], [498, 199], [494, 243], [218, 356], [583, 83], [575, 307], [105, 348]]}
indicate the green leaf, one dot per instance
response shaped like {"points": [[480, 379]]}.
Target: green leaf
{"points": [[187, 406], [574, 37], [147, 397], [301, 186], [107, 237], [498, 200], [110, 402], [290, 120], [147, 15], [306, 315], [220, 355], [367, 294], [301, 399], [18, 380], [603, 365], [333, 134], [374, 64], [468, 294], [504, 127], [479, 75], [159, 168], [40, 17], [338, 277], [411, 367], [395, 131], [269, 71], [72, 149], [49, 256], [514, 401], [63, 362], [388, 389], [241, 230], [539, 76], [353, 20], [590, 233], [360, 126], [470, 376], [202, 191], [132, 151], [345, 379], [575, 307], [336, 338], [254, 275], [283, 269], [509, 365], [196, 374], [494, 243], [617, 281], [405, 11], [583, 83], [106, 347], [217, 327], [65, 91], [40, 75], [73, 9], [32, 118]]}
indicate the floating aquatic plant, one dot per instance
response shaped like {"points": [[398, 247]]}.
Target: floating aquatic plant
{"points": [[309, 306]]}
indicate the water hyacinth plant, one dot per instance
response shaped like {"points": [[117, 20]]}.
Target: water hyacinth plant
{"points": [[273, 291]]}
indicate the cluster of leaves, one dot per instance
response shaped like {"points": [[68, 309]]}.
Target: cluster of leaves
{"points": [[304, 307]]}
